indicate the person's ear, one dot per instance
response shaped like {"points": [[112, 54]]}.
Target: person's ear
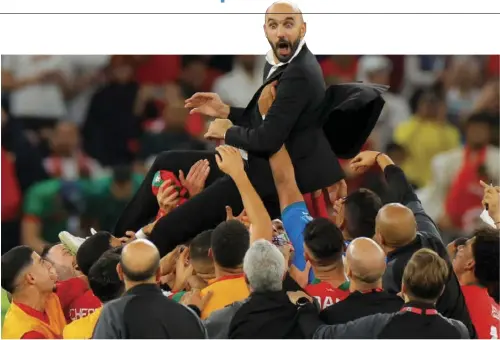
{"points": [[29, 278], [469, 265], [119, 270], [303, 30], [158, 275]]}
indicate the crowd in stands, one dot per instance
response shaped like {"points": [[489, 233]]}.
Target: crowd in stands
{"points": [[411, 248]]}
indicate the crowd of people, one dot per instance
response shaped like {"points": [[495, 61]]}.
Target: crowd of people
{"points": [[103, 239]]}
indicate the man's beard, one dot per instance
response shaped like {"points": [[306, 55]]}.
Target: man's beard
{"points": [[286, 45]]}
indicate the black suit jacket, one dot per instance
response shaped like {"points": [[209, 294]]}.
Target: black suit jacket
{"points": [[293, 120], [313, 124]]}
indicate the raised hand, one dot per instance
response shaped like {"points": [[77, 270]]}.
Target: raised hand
{"points": [[229, 160], [194, 182], [168, 196], [208, 104], [364, 161], [243, 217], [218, 128]]}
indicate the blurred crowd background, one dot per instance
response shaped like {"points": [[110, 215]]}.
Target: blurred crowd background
{"points": [[79, 132]]}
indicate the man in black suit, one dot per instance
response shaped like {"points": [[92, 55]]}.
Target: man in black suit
{"points": [[295, 118]]}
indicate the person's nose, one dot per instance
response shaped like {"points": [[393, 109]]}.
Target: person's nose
{"points": [[280, 32]]}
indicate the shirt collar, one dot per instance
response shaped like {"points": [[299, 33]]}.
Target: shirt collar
{"points": [[270, 55]]}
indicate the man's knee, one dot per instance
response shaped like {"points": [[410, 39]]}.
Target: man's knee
{"points": [[165, 159]]}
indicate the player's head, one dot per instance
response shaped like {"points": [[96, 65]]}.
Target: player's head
{"points": [[229, 243], [199, 254], [424, 277], [264, 266], [285, 28], [323, 244], [395, 226], [62, 259], [140, 262], [477, 260], [93, 247], [24, 270], [365, 263], [103, 277], [361, 208]]}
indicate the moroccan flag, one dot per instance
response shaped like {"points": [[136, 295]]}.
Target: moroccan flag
{"points": [[159, 178]]}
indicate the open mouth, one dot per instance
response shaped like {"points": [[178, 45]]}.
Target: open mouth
{"points": [[283, 48]]}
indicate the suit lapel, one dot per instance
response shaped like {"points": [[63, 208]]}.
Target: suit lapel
{"points": [[276, 75], [267, 68]]}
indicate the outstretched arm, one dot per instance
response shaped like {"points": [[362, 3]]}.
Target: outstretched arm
{"points": [[284, 178], [230, 162]]}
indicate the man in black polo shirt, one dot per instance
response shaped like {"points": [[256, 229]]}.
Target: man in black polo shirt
{"points": [[143, 312], [402, 229], [365, 265], [423, 282]]}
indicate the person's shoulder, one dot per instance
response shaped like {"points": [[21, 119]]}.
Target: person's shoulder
{"points": [[46, 187]]}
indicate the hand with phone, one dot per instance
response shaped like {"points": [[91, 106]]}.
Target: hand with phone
{"points": [[491, 202]]}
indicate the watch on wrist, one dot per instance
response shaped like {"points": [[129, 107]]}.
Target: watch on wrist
{"points": [[301, 302]]}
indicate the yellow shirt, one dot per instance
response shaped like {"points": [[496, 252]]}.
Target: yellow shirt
{"points": [[423, 140], [226, 290], [82, 328], [17, 322]]}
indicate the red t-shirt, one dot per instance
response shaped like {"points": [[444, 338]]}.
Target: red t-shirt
{"points": [[81, 306], [326, 294], [483, 310], [67, 291]]}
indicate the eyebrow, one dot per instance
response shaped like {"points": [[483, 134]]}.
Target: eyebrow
{"points": [[286, 19]]}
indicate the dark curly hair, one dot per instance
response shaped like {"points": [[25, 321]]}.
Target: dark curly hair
{"points": [[485, 250]]}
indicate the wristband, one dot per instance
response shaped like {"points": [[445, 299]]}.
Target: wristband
{"points": [[141, 234], [376, 157]]}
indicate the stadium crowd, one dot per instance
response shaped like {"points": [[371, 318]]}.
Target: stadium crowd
{"points": [[407, 247]]}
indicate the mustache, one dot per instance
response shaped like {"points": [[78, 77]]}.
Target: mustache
{"points": [[283, 43]]}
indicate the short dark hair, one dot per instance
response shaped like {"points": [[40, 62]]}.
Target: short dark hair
{"points": [[200, 246], [46, 249], [485, 250], [13, 263], [479, 118], [324, 240], [425, 275], [103, 277], [230, 241], [91, 249], [122, 174], [362, 207]]}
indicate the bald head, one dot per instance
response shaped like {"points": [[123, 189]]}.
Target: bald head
{"points": [[395, 225], [365, 261], [285, 28], [284, 7], [140, 260]]}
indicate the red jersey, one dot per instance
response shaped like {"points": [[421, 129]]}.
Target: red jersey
{"points": [[483, 310], [81, 306], [326, 294]]}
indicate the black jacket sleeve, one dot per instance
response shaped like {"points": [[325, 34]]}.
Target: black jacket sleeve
{"points": [[236, 116], [364, 328], [402, 191], [268, 138], [109, 325]]}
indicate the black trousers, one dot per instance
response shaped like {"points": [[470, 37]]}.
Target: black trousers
{"points": [[202, 212]]}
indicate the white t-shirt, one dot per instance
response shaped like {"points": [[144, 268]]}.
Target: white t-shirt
{"points": [[237, 87], [36, 101], [83, 65]]}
